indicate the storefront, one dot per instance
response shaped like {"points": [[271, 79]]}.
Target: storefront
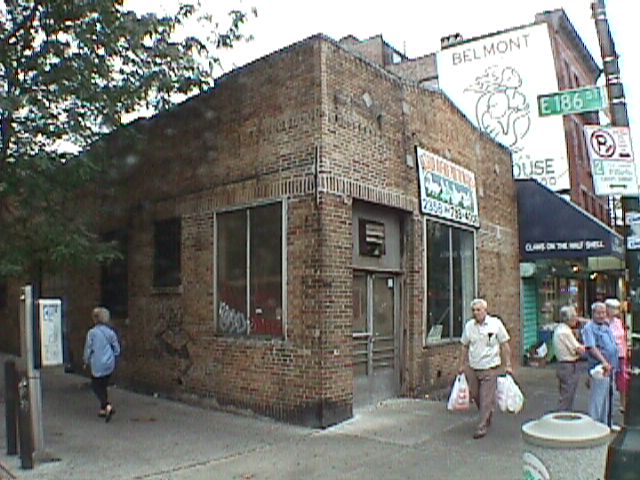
{"points": [[567, 258]]}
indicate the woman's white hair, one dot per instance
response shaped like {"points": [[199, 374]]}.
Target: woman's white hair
{"points": [[567, 313]]}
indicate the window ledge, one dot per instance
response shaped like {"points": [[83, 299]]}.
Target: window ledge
{"points": [[253, 339], [177, 290], [442, 343]]}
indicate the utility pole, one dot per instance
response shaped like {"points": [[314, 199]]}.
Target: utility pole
{"points": [[623, 459]]}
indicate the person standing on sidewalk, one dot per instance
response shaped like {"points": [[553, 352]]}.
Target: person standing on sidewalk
{"points": [[485, 345], [618, 328], [568, 351], [100, 352], [601, 346]]}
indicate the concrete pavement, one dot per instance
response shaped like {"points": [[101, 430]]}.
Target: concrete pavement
{"points": [[154, 438]]}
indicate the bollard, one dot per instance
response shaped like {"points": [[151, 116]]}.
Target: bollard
{"points": [[25, 428], [11, 406]]}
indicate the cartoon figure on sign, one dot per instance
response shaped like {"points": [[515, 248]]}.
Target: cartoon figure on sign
{"points": [[502, 110]]}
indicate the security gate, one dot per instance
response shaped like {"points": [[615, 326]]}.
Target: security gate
{"points": [[375, 352]]}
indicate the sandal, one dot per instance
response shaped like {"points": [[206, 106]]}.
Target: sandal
{"points": [[109, 411]]}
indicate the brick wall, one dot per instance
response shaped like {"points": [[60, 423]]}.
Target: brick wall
{"points": [[575, 68]]}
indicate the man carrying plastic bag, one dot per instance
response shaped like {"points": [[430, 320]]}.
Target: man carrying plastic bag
{"points": [[509, 397], [485, 347], [459, 398]]}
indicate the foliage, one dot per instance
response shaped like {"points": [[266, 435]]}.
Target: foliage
{"points": [[70, 71]]}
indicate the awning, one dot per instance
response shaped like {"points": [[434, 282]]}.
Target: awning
{"points": [[552, 227]]}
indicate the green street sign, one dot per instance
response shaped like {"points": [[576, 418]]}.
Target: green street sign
{"points": [[571, 101]]}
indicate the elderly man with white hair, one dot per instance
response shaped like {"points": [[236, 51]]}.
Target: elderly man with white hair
{"points": [[601, 346], [485, 345], [568, 351]]}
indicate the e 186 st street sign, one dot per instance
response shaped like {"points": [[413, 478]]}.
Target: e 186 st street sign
{"points": [[571, 101]]}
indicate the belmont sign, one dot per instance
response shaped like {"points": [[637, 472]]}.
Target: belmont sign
{"points": [[495, 81]]}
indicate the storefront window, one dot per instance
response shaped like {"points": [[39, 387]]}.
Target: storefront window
{"points": [[450, 279], [256, 310]]}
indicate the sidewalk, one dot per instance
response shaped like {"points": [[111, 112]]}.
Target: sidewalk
{"points": [[153, 438]]}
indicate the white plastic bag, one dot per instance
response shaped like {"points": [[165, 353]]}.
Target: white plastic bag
{"points": [[542, 351], [515, 398], [501, 393], [598, 372], [459, 397]]}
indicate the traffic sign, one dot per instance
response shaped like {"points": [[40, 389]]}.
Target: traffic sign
{"points": [[612, 164], [571, 101], [608, 143]]}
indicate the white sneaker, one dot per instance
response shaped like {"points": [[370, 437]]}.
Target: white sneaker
{"points": [[615, 428]]}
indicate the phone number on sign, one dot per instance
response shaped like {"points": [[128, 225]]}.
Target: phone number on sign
{"points": [[451, 212]]}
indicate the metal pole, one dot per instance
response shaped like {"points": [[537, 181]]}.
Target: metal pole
{"points": [[623, 459], [11, 406], [24, 425], [33, 374]]}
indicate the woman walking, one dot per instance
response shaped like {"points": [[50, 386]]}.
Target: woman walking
{"points": [[100, 351]]}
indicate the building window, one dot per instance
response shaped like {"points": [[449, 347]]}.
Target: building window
{"points": [[114, 278], [450, 279], [167, 248], [249, 275]]}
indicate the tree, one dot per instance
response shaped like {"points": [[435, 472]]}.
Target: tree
{"points": [[71, 70]]}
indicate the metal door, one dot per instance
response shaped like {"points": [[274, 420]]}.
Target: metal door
{"points": [[375, 353]]}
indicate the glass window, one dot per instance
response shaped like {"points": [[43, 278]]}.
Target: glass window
{"points": [[232, 272], [265, 270], [450, 279], [463, 262], [249, 254], [166, 259], [114, 277]]}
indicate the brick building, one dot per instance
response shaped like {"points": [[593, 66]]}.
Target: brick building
{"points": [[550, 279], [276, 255]]}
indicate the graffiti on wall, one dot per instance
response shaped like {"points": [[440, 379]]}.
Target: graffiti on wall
{"points": [[231, 321], [171, 338]]}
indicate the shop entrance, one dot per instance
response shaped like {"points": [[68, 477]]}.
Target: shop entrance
{"points": [[375, 343]]}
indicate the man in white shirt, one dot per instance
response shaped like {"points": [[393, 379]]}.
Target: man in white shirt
{"points": [[568, 351], [485, 345]]}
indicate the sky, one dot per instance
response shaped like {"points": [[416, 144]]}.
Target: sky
{"points": [[415, 27]]}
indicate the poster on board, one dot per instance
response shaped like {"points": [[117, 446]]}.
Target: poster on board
{"points": [[50, 322]]}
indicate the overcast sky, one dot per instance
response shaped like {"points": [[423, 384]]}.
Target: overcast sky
{"points": [[415, 27]]}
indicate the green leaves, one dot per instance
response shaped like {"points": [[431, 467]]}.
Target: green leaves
{"points": [[70, 71]]}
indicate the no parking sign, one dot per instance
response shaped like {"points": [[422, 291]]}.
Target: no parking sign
{"points": [[612, 161]]}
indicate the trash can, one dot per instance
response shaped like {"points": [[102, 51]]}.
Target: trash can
{"points": [[564, 446]]}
